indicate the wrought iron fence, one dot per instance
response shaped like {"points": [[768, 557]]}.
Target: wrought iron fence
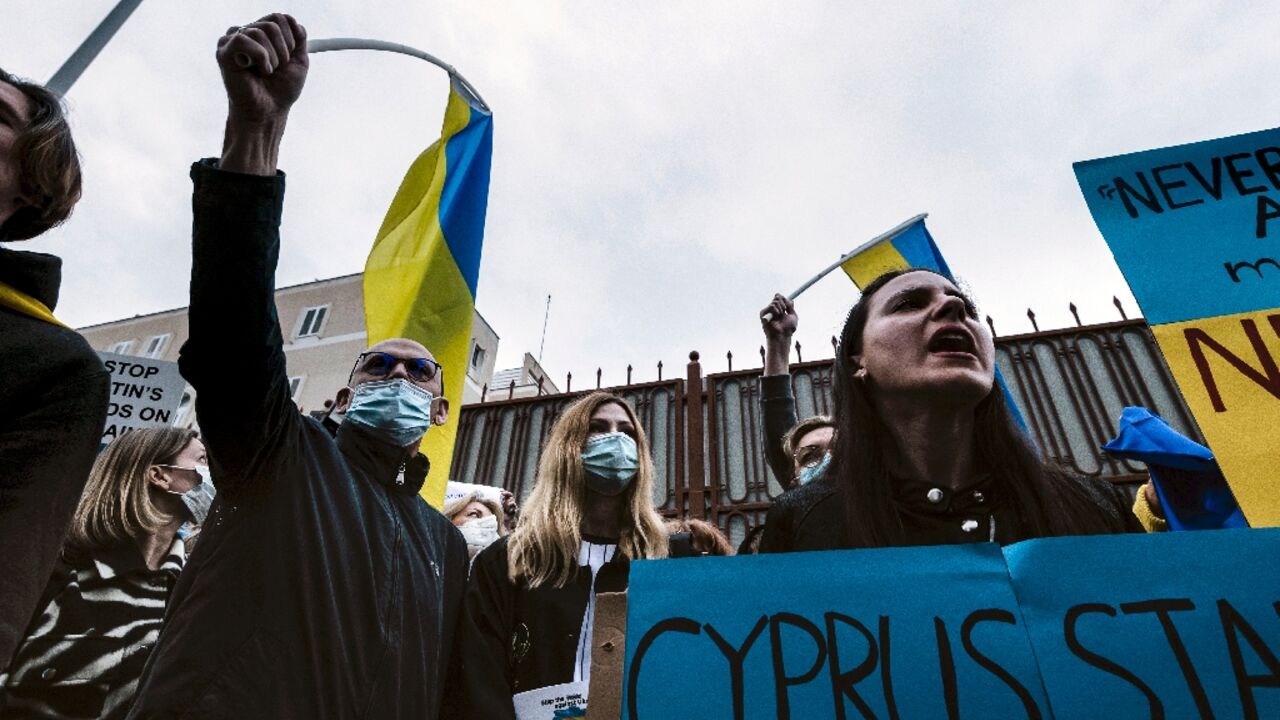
{"points": [[707, 439]]}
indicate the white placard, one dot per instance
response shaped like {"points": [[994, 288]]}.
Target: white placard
{"points": [[144, 393], [455, 490], [554, 702]]}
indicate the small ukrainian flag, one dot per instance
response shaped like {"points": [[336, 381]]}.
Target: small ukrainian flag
{"points": [[908, 245]]}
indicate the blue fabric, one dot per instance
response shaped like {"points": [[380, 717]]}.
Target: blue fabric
{"points": [[916, 246], [1188, 481], [465, 195]]}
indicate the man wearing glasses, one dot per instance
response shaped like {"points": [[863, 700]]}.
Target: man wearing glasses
{"points": [[323, 585]]}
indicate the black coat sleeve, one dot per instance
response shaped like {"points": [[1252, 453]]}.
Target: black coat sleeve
{"points": [[234, 357], [481, 683], [778, 406], [52, 411]]}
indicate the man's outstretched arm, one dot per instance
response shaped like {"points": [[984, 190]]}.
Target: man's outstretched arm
{"points": [[234, 357]]}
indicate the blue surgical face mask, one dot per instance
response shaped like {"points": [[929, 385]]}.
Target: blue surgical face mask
{"points": [[611, 461], [396, 409], [809, 473], [199, 498]]}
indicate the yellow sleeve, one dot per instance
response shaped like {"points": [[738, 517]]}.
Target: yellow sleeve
{"points": [[1146, 517]]}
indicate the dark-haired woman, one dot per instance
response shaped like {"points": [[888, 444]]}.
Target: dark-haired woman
{"points": [[53, 390], [926, 450]]}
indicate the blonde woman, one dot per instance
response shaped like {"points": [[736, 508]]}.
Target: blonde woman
{"points": [[480, 520], [100, 613], [529, 606]]}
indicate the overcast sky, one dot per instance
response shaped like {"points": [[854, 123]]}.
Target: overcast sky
{"points": [[662, 168]]}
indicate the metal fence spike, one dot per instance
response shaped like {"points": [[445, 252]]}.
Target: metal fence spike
{"points": [[1116, 301]]}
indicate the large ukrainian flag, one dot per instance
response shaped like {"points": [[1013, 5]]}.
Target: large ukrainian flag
{"points": [[420, 278], [909, 245]]}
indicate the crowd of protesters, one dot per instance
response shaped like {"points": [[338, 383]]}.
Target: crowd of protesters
{"points": [[317, 582]]}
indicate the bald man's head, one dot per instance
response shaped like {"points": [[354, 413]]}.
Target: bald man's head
{"points": [[398, 359]]}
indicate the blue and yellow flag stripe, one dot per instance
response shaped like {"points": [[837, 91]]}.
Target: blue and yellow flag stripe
{"points": [[421, 276], [913, 246]]}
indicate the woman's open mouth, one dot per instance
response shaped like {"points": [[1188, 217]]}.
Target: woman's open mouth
{"points": [[953, 342]]}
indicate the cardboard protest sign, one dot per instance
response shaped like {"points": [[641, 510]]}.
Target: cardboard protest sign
{"points": [[899, 632], [1196, 231], [1172, 625], [144, 393], [1179, 625]]}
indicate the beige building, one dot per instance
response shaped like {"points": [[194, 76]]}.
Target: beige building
{"points": [[528, 380], [323, 327]]}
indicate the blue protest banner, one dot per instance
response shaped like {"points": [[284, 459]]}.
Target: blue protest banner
{"points": [[899, 632], [1194, 228], [1174, 625], [1196, 231]]}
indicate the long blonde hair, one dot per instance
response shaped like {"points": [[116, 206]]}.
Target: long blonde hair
{"points": [[544, 547], [116, 504]]}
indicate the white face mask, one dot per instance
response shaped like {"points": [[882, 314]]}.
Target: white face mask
{"points": [[199, 498], [479, 533]]}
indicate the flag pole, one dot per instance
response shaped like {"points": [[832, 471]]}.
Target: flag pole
{"points": [[889, 234], [75, 65], [330, 44]]}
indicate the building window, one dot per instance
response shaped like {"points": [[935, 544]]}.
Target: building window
{"points": [[121, 348], [477, 356], [312, 320], [156, 345], [295, 385], [184, 407]]}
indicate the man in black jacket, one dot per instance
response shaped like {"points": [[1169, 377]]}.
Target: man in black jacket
{"points": [[53, 388], [323, 585]]}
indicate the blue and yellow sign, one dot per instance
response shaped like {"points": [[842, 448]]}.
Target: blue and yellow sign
{"points": [[1196, 231]]}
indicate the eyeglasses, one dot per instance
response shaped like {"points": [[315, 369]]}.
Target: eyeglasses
{"points": [[380, 364], [809, 456]]}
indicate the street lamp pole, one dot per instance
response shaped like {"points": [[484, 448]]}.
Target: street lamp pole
{"points": [[75, 65]]}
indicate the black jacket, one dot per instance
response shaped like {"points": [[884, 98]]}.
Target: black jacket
{"points": [[512, 639], [807, 517], [778, 408], [322, 586], [53, 405], [812, 517]]}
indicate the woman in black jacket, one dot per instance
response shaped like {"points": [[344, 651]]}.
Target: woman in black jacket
{"points": [[528, 611], [926, 450]]}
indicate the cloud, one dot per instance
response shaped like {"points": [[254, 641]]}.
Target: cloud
{"points": [[662, 169]]}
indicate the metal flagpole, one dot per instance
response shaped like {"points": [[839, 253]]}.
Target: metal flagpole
{"points": [[897, 229], [546, 316], [329, 44], [75, 65]]}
